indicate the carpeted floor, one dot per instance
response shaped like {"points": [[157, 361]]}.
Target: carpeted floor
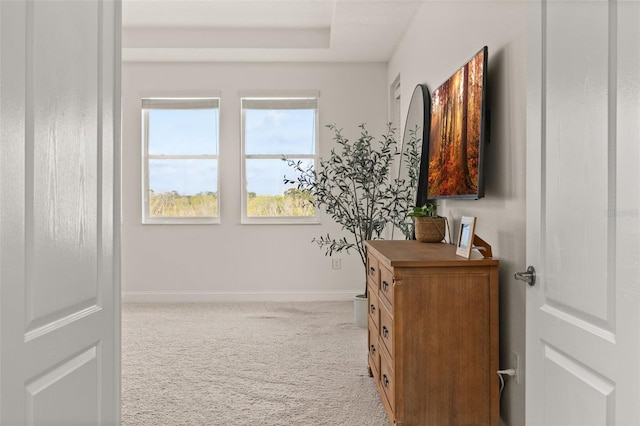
{"points": [[246, 364]]}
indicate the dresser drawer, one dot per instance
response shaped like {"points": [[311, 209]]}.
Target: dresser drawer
{"points": [[374, 305], [386, 285], [373, 269], [387, 382], [386, 329], [374, 351]]}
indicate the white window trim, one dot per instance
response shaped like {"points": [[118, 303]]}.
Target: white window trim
{"points": [[263, 96], [395, 105], [175, 103]]}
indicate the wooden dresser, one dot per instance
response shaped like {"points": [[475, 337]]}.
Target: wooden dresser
{"points": [[433, 333]]}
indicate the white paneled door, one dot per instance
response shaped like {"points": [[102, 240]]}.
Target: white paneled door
{"points": [[583, 213], [59, 198]]}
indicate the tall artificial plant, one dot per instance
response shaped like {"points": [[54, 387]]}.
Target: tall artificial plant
{"points": [[355, 188]]}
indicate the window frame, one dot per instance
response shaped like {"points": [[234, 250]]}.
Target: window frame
{"points": [[395, 94], [174, 103], [275, 98]]}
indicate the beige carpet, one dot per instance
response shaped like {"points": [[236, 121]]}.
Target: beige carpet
{"points": [[246, 364]]}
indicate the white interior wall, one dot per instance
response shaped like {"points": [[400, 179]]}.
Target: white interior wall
{"points": [[231, 261], [441, 38]]}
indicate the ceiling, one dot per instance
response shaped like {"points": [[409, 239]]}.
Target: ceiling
{"points": [[264, 30]]}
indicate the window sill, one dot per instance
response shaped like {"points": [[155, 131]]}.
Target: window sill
{"points": [[181, 221], [279, 221]]}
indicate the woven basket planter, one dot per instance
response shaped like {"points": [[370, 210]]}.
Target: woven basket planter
{"points": [[430, 229]]}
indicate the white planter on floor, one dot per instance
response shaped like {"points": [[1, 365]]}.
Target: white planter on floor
{"points": [[360, 310]]}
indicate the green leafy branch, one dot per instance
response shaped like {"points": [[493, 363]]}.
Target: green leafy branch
{"points": [[355, 188]]}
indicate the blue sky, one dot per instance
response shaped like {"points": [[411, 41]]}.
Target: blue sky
{"points": [[189, 132], [276, 132], [280, 131], [187, 177], [265, 177], [183, 132]]}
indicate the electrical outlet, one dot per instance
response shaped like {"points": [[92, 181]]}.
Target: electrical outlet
{"points": [[515, 362], [336, 263]]}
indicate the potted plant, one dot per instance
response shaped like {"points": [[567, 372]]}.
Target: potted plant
{"points": [[429, 227], [355, 188]]}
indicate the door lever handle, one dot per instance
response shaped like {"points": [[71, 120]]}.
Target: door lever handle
{"points": [[529, 277]]}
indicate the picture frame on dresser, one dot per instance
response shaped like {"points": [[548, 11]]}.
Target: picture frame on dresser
{"points": [[466, 232]]}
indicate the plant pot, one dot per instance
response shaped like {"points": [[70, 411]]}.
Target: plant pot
{"points": [[430, 229], [360, 310]]}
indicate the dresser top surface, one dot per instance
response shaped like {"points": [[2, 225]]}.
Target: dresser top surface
{"points": [[412, 253]]}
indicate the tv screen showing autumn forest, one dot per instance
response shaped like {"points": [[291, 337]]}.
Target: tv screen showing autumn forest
{"points": [[455, 143]]}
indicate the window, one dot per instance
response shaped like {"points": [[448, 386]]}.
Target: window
{"points": [[180, 160], [273, 128]]}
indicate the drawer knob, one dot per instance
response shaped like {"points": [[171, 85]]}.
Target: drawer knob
{"points": [[385, 285], [372, 270], [373, 309], [373, 349], [385, 331], [385, 380]]}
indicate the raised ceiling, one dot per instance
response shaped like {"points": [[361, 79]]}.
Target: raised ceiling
{"points": [[264, 30]]}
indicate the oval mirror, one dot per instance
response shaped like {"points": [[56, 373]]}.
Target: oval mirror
{"points": [[411, 169]]}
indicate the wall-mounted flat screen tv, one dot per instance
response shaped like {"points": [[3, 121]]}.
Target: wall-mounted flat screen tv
{"points": [[457, 135]]}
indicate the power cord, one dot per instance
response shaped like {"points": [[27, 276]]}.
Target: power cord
{"points": [[508, 372]]}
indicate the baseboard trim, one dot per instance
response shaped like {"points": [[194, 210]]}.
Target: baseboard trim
{"points": [[195, 297]]}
